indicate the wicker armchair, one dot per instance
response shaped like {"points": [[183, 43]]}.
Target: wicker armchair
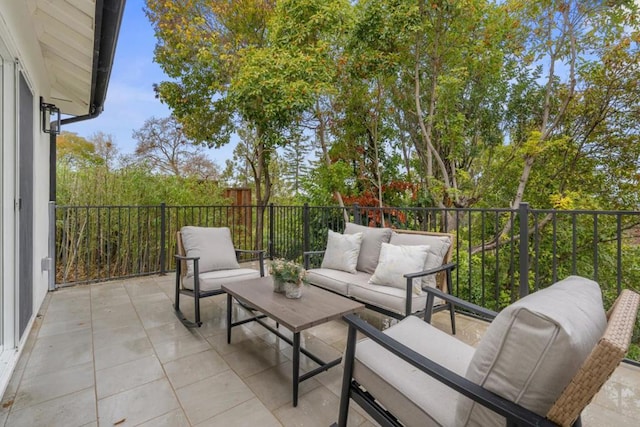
{"points": [[540, 362]]}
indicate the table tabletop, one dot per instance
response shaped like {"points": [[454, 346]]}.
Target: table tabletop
{"points": [[315, 307]]}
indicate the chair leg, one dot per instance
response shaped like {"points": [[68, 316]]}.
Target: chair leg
{"points": [[196, 290], [176, 302], [452, 313], [196, 298], [347, 375]]}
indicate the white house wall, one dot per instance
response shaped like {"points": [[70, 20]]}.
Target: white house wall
{"points": [[18, 37], [7, 217]]}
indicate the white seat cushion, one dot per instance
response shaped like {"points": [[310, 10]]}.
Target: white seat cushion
{"points": [[387, 297], [336, 280], [213, 280], [411, 395], [534, 347], [212, 244]]}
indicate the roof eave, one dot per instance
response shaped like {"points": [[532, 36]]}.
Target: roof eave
{"points": [[108, 19]]}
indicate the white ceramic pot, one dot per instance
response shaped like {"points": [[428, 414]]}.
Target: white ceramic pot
{"points": [[292, 290]]}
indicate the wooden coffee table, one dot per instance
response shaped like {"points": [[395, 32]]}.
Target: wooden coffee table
{"points": [[316, 307]]}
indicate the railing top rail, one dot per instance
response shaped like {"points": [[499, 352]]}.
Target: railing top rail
{"points": [[583, 212], [403, 208], [327, 207], [432, 208], [106, 206]]}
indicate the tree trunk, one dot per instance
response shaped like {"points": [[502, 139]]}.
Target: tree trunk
{"points": [[555, 49], [427, 128], [262, 180], [374, 135], [325, 155]]}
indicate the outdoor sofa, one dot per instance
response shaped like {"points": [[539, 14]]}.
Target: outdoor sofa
{"points": [[385, 269]]}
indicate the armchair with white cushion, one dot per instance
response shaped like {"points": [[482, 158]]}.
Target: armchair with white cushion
{"points": [[205, 260], [540, 362]]}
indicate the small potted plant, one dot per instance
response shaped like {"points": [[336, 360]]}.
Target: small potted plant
{"points": [[288, 277]]}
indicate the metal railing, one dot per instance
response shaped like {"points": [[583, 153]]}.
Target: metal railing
{"points": [[501, 253], [96, 243]]}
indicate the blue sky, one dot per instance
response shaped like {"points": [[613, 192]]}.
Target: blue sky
{"points": [[130, 97]]}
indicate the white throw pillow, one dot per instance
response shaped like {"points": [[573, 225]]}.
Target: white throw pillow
{"points": [[342, 251], [438, 247], [395, 262], [213, 245]]}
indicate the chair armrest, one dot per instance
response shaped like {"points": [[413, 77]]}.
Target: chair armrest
{"points": [[186, 258], [307, 257], [259, 252], [196, 270], [448, 268], [444, 267], [432, 293], [250, 251], [514, 413]]}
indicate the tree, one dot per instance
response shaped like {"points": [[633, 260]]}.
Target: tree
{"points": [[90, 172], [586, 55], [165, 149], [74, 151], [363, 129], [294, 162], [243, 62], [399, 56], [458, 52], [237, 170], [105, 149], [480, 102]]}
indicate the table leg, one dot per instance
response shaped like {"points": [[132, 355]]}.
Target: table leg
{"points": [[296, 367], [229, 308]]}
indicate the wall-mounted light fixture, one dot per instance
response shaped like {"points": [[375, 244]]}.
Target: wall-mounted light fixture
{"points": [[47, 126]]}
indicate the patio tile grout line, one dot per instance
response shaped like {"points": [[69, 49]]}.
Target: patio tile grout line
{"points": [[166, 377], [93, 357], [52, 300], [28, 352], [230, 369]]}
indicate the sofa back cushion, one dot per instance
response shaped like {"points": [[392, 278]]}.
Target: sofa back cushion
{"points": [[342, 251], [438, 247], [372, 240], [212, 244], [395, 262], [534, 347]]}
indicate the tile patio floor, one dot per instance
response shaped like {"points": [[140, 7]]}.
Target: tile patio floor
{"points": [[114, 354]]}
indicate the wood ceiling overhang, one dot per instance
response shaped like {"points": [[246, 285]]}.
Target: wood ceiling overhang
{"points": [[72, 37]]}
